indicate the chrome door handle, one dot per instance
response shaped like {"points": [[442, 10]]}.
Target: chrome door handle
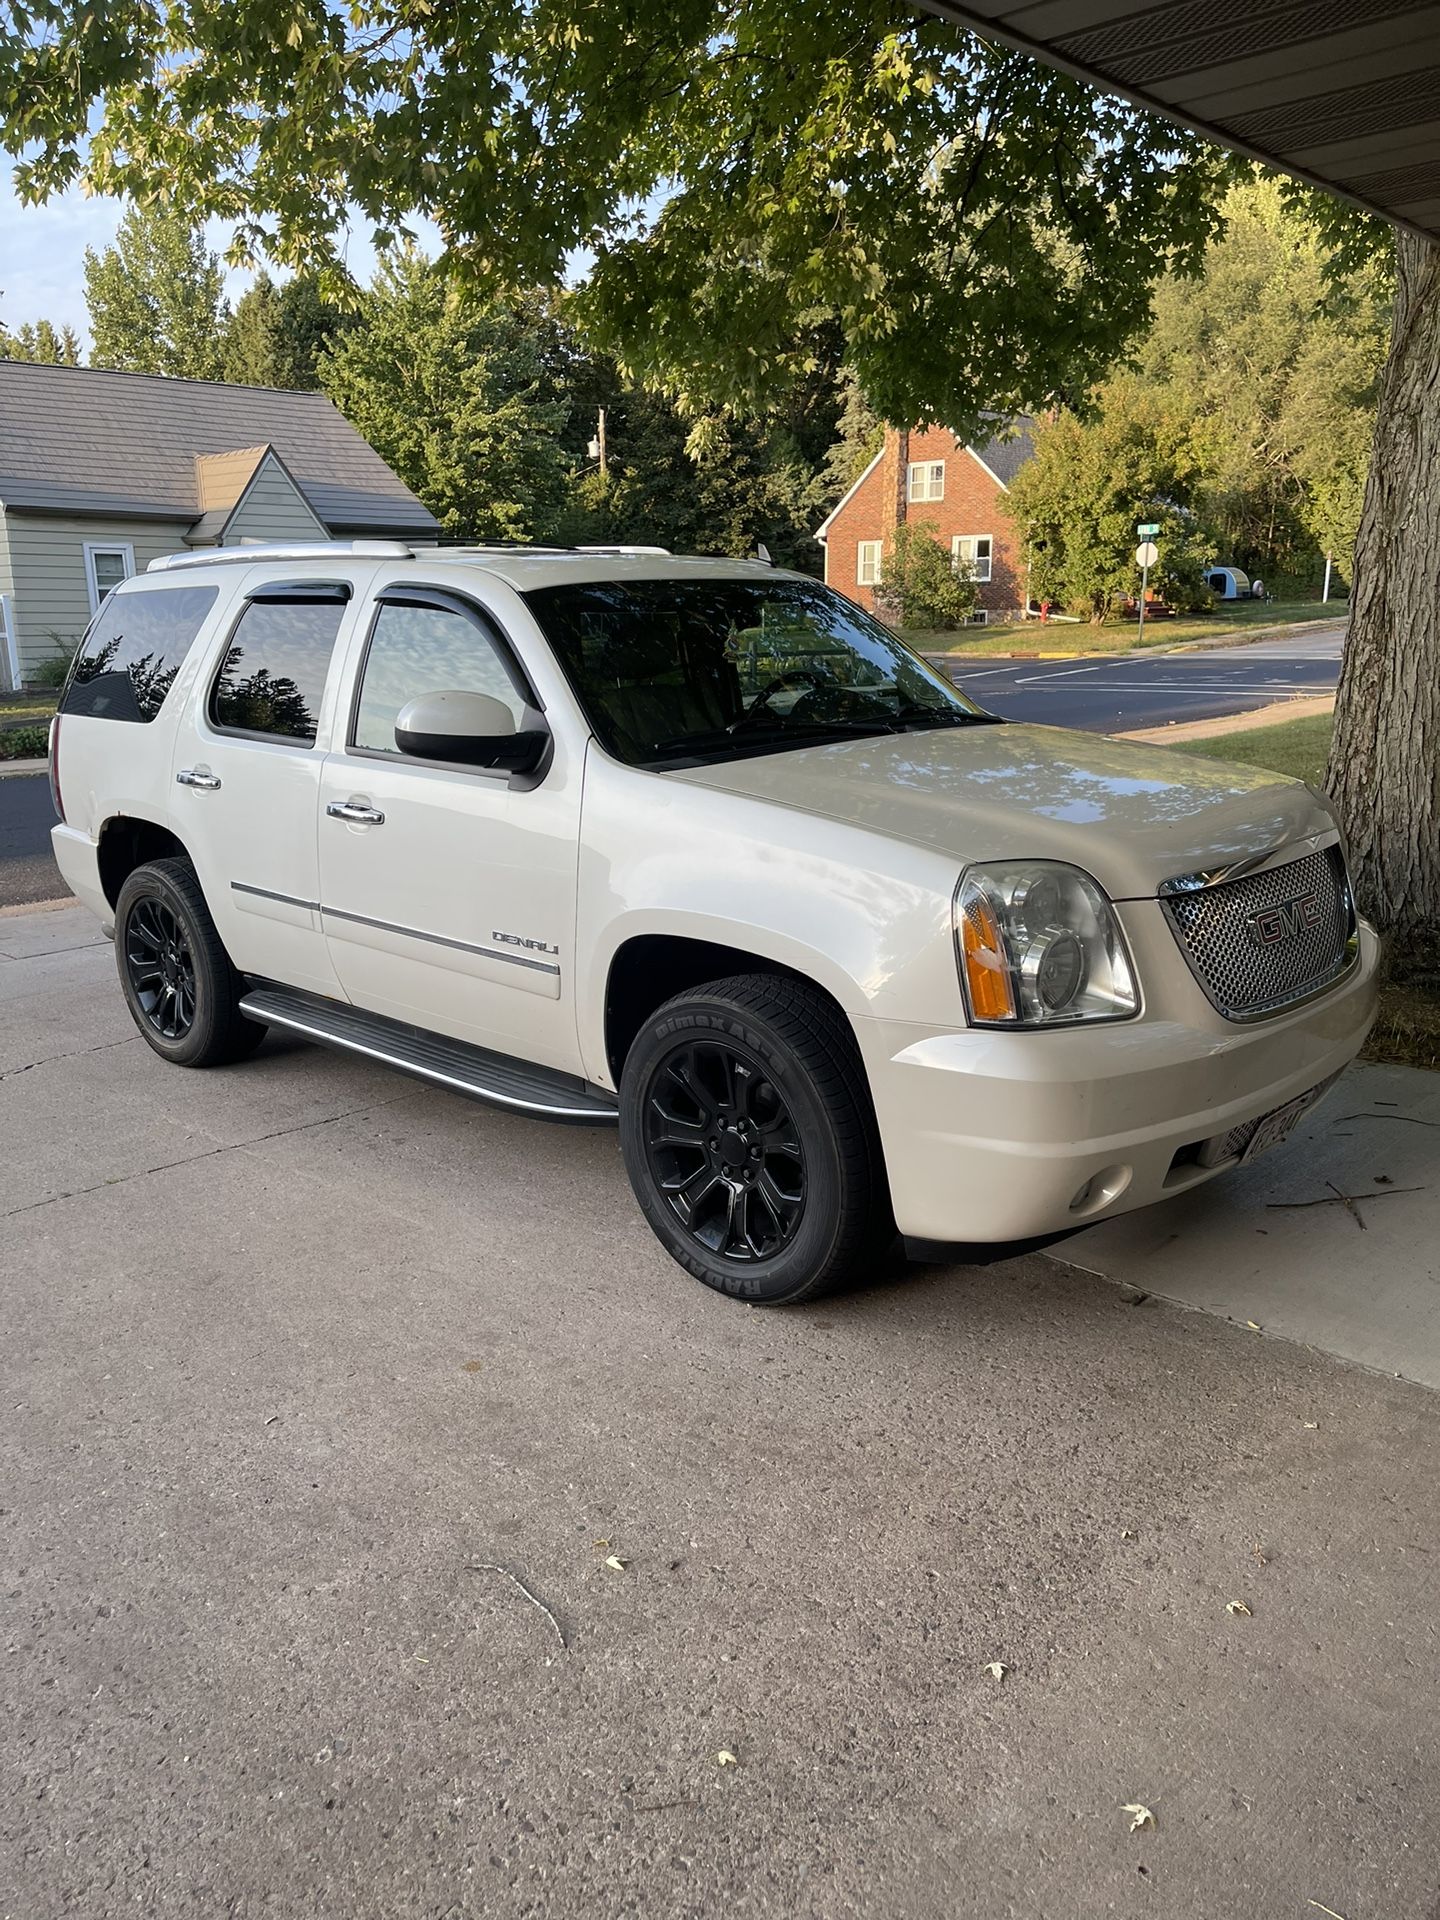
{"points": [[356, 810], [193, 777]]}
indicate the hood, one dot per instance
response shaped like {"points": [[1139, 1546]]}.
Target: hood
{"points": [[1133, 816]]}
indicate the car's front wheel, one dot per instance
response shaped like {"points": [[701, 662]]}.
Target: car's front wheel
{"points": [[179, 984], [750, 1141]]}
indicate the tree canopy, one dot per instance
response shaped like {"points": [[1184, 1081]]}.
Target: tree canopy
{"points": [[41, 341], [734, 171], [156, 299]]}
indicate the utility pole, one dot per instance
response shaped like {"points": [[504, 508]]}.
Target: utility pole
{"points": [[1324, 597], [600, 439]]}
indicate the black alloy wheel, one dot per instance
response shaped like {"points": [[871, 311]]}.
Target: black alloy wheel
{"points": [[179, 983], [750, 1139], [161, 968], [724, 1150]]}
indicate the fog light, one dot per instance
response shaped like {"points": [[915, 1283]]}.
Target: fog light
{"points": [[1101, 1190]]}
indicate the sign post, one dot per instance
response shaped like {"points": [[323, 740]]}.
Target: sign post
{"points": [[1146, 554]]}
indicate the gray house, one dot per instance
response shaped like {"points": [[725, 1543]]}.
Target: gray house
{"points": [[100, 472]]}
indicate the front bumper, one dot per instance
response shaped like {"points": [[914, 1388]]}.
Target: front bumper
{"points": [[993, 1136]]}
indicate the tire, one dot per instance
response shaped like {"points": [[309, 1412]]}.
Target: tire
{"points": [[765, 1180], [179, 984]]}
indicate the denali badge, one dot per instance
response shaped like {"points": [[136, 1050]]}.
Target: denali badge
{"points": [[1272, 925], [517, 940]]}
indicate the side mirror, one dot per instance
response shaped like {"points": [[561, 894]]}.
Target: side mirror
{"points": [[472, 728]]}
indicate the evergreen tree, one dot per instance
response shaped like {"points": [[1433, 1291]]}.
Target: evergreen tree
{"points": [[155, 299], [455, 394], [43, 342], [277, 334]]}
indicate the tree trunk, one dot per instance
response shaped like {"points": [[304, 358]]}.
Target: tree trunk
{"points": [[1385, 763]]}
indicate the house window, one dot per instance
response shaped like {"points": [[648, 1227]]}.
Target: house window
{"points": [[979, 617], [105, 568], [975, 550], [927, 480], [867, 563]]}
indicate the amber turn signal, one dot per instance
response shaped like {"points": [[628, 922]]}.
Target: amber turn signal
{"points": [[987, 977]]}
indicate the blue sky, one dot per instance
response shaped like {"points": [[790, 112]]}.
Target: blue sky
{"points": [[42, 256]]}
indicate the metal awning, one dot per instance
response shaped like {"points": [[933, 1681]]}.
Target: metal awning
{"points": [[1342, 93]]}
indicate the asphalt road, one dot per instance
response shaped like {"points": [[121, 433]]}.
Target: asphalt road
{"points": [[27, 871], [1127, 692], [328, 1400]]}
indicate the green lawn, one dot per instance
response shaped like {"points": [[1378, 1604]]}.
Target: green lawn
{"points": [[1297, 747], [1118, 636]]}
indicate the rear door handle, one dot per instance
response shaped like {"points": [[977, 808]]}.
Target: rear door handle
{"points": [[197, 777], [356, 810]]}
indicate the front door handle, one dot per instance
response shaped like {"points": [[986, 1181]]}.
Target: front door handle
{"points": [[359, 811], [197, 777]]}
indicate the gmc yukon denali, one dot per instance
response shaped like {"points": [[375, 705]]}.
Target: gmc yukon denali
{"points": [[700, 848]]}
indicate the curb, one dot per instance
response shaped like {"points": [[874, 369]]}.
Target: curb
{"points": [[1274, 715], [1237, 637], [10, 768]]}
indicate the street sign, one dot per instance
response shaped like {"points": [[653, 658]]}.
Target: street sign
{"points": [[1146, 554], [1148, 529]]}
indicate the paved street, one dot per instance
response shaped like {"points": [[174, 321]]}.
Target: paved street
{"points": [[295, 1355], [27, 872], [1131, 691]]}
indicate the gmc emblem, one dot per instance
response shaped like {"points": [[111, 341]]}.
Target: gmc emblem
{"points": [[1272, 925]]}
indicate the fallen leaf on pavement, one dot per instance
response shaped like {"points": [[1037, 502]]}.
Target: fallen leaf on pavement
{"points": [[726, 1759], [1238, 1606], [1312, 1426], [1139, 1816], [1254, 1326], [617, 1564], [1330, 1910], [997, 1667]]}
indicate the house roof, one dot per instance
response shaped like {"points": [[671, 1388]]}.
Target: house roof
{"points": [[83, 440], [1001, 457]]}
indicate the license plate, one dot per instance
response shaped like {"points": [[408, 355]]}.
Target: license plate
{"points": [[1275, 1128]]}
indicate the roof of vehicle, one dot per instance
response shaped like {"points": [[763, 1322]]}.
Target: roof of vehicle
{"points": [[523, 568]]}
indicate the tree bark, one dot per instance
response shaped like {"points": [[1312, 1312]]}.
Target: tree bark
{"points": [[1384, 770]]}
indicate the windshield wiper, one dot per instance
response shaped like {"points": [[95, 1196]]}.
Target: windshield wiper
{"points": [[742, 736], [913, 714]]}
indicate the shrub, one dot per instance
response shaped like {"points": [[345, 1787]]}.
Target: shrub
{"points": [[923, 586], [24, 743]]}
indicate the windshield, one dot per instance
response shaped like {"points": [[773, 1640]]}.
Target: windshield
{"points": [[684, 671]]}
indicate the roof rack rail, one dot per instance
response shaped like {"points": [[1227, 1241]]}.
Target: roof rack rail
{"points": [[290, 550], [611, 548]]}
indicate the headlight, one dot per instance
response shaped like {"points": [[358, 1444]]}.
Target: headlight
{"points": [[1039, 945]]}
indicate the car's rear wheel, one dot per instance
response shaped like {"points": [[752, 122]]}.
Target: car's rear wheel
{"points": [[179, 984], [750, 1141]]}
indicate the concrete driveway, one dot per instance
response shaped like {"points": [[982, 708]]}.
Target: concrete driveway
{"points": [[315, 1382]]}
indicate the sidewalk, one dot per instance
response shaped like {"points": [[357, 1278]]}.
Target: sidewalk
{"points": [[1333, 1240]]}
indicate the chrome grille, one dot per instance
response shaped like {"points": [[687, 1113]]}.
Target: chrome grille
{"points": [[1259, 943]]}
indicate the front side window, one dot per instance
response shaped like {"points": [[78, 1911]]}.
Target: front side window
{"points": [[688, 672], [272, 678], [105, 568], [867, 563], [135, 646], [973, 552], [927, 480], [417, 649]]}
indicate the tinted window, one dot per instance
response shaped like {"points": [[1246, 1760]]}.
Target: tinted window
{"points": [[136, 645], [415, 650], [693, 670], [274, 669]]}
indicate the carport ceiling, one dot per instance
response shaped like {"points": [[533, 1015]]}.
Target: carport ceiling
{"points": [[1343, 93]]}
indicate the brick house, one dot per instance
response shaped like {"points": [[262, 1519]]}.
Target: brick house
{"points": [[927, 474]]}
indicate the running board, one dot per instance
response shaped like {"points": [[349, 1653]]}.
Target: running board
{"points": [[430, 1056]]}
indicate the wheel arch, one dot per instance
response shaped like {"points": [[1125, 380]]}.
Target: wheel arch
{"points": [[127, 841], [649, 968]]}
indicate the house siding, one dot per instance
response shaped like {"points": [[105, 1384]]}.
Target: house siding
{"points": [[975, 503], [49, 590], [7, 588], [271, 508]]}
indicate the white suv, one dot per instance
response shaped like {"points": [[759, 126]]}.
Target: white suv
{"points": [[699, 847]]}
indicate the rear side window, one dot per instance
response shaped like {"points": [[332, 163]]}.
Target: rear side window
{"points": [[273, 674], [133, 650], [424, 649]]}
